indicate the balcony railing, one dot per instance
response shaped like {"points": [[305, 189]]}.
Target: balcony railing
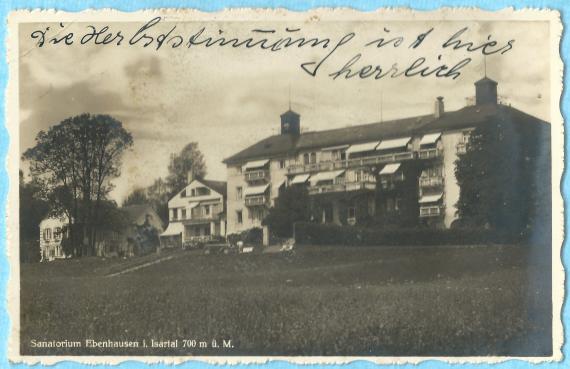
{"points": [[429, 153], [256, 200], [342, 187], [430, 211], [255, 175], [431, 181], [351, 163], [461, 148]]}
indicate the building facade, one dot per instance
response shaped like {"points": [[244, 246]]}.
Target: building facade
{"points": [[52, 232], [399, 172], [196, 214]]}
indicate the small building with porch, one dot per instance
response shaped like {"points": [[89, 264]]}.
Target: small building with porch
{"points": [[196, 214]]}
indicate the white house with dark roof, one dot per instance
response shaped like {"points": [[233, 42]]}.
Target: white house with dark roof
{"points": [[401, 170], [196, 213]]}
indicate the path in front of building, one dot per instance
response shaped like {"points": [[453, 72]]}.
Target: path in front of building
{"points": [[143, 265]]}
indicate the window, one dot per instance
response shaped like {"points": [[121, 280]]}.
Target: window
{"points": [[239, 193], [239, 215], [313, 158], [339, 155], [57, 233], [207, 209], [183, 213], [351, 213], [193, 192], [47, 234], [174, 213], [305, 158], [281, 164]]}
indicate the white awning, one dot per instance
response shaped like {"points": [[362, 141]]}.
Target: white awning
{"points": [[339, 147], [430, 139], [390, 168], [363, 147], [430, 198], [173, 229], [255, 164], [326, 176], [256, 190], [301, 178], [393, 144]]}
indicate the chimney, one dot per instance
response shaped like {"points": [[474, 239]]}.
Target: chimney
{"points": [[439, 107], [190, 176]]}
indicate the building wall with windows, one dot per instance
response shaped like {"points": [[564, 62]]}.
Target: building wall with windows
{"points": [[52, 231], [196, 214], [403, 168]]}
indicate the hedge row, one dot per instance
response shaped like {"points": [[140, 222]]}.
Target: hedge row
{"points": [[325, 234]]}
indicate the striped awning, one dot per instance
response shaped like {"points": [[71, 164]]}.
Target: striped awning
{"points": [[390, 168], [301, 178], [363, 147], [255, 164], [326, 176], [339, 147], [256, 190], [431, 198], [430, 139], [173, 229], [395, 143]]}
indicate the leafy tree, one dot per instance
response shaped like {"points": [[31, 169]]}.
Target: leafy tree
{"points": [[75, 162], [33, 209], [499, 187], [189, 159], [291, 206], [137, 197]]}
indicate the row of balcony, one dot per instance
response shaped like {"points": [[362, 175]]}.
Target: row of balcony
{"points": [[364, 161], [256, 200], [263, 174], [342, 187], [431, 181], [431, 211]]}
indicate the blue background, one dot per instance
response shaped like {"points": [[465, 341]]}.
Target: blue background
{"points": [[133, 5]]}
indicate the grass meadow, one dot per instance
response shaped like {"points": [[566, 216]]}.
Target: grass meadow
{"points": [[404, 301]]}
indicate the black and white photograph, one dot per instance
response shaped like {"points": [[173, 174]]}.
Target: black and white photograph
{"points": [[327, 185]]}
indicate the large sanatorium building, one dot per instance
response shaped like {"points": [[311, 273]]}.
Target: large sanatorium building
{"points": [[394, 169]]}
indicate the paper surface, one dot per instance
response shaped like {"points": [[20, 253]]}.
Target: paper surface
{"points": [[225, 81]]}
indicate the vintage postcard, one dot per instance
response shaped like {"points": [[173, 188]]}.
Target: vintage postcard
{"points": [[316, 187]]}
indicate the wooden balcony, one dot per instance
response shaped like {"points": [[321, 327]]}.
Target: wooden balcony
{"points": [[342, 187], [256, 175], [351, 163], [426, 182], [430, 211], [430, 153], [257, 200]]}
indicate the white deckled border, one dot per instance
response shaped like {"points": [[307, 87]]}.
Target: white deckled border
{"points": [[314, 15]]}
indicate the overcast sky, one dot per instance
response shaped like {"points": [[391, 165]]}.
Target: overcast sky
{"points": [[226, 99]]}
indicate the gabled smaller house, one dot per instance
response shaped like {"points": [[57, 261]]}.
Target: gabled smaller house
{"points": [[133, 231], [53, 230], [196, 214]]}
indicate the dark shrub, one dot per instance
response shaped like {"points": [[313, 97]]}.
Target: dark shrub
{"points": [[252, 236], [325, 234]]}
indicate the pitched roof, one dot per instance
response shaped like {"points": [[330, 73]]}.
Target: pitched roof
{"points": [[218, 186], [469, 116]]}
